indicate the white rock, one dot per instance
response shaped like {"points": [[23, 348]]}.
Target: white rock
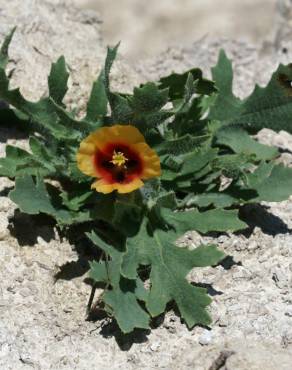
{"points": [[205, 338]]}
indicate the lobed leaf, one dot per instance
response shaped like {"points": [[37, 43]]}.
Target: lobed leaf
{"points": [[33, 198], [176, 83], [122, 298], [241, 143], [273, 183], [169, 267], [267, 107], [97, 103], [213, 220], [57, 80], [4, 49]]}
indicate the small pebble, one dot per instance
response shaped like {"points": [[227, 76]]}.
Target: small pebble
{"points": [[205, 338], [155, 346], [288, 311]]}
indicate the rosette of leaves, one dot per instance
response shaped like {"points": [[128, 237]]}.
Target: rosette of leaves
{"points": [[202, 134]]}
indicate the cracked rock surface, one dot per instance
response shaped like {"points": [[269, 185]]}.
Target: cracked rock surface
{"points": [[43, 289]]}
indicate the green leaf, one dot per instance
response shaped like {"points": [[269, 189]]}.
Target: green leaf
{"points": [[110, 58], [4, 49], [147, 121], [196, 160], [270, 106], [190, 164], [121, 300], [57, 80], [188, 110], [74, 201], [226, 105], [240, 142], [218, 200], [33, 198], [267, 107], [169, 267], [43, 113], [127, 215], [97, 104], [122, 212], [78, 129], [45, 157], [176, 83], [125, 307], [273, 183], [184, 144], [233, 165], [14, 158], [213, 220], [19, 162], [121, 109], [149, 98]]}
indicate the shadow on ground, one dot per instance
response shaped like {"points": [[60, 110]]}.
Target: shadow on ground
{"points": [[12, 126], [258, 215]]}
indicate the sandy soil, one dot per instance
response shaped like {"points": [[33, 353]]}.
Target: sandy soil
{"points": [[44, 290], [145, 27]]}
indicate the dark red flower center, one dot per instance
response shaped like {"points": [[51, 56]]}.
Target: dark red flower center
{"points": [[117, 162]]}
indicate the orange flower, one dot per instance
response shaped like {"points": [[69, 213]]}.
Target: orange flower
{"points": [[119, 158]]}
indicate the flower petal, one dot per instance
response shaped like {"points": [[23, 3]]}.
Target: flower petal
{"points": [[128, 187], [126, 133], [122, 133], [85, 163], [151, 161], [103, 187]]}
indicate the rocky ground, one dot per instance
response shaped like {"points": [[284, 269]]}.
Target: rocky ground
{"points": [[145, 27], [43, 289]]}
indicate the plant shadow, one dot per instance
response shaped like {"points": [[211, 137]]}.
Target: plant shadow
{"points": [[12, 127], [209, 288], [27, 228], [124, 341], [228, 262], [258, 215], [85, 250]]}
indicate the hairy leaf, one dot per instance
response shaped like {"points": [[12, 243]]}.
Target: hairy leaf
{"points": [[122, 298], [97, 104], [226, 105], [240, 142], [14, 157], [57, 80], [273, 183], [182, 145], [204, 222], [33, 198], [149, 98], [267, 107], [169, 267], [176, 83], [4, 49], [42, 112]]}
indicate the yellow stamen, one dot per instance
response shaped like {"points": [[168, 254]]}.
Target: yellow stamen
{"points": [[119, 159]]}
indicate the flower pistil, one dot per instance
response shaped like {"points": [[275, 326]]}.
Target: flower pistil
{"points": [[119, 159]]}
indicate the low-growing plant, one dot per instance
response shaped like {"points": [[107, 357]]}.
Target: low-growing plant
{"points": [[141, 169]]}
